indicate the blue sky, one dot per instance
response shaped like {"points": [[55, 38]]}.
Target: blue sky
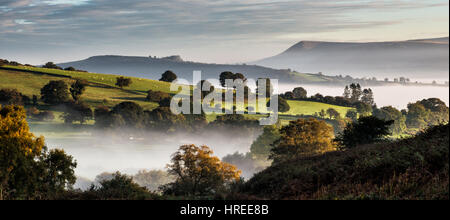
{"points": [[220, 31]]}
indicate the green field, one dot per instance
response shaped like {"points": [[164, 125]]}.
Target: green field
{"points": [[102, 89]]}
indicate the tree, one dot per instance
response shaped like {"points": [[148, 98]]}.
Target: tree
{"points": [[55, 92], [57, 171], [77, 89], [262, 146], [417, 116], [120, 187], [77, 112], [204, 84], [300, 93], [198, 172], [224, 76], [304, 137], [27, 169], [283, 105], [356, 92], [153, 179], [162, 118], [51, 65], [168, 76], [156, 96], [70, 68], [131, 113], [11, 97], [363, 109], [269, 87], [347, 92], [352, 114], [439, 111], [367, 97], [366, 130], [333, 113], [123, 82], [390, 113]]}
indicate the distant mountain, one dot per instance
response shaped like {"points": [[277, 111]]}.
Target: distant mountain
{"points": [[152, 68], [424, 58]]}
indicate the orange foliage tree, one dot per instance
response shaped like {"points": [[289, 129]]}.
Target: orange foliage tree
{"points": [[304, 137], [198, 172]]}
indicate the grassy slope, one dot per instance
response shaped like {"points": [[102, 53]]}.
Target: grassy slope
{"points": [[103, 87], [413, 168]]}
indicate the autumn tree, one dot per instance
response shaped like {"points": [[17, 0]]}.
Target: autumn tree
{"points": [[304, 137], [27, 169], [123, 82], [55, 92], [198, 172]]}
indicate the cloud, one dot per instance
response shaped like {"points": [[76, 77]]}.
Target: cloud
{"points": [[107, 22]]}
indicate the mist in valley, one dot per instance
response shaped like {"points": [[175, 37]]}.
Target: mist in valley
{"points": [[97, 152], [398, 96]]}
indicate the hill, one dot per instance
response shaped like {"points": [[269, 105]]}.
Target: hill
{"points": [[102, 90], [152, 68], [413, 168], [424, 58]]}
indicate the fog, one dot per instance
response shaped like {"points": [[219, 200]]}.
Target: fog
{"points": [[397, 96], [98, 152]]}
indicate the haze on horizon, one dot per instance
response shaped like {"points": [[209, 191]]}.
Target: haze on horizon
{"points": [[214, 31]]}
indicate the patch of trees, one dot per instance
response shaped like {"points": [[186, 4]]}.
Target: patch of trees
{"points": [[353, 96], [230, 76], [132, 116], [51, 65], [390, 113], [168, 76], [123, 82], [77, 111], [156, 96], [13, 97], [262, 146], [425, 113], [366, 130], [27, 169]]}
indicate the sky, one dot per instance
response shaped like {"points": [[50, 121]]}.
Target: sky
{"points": [[212, 31]]}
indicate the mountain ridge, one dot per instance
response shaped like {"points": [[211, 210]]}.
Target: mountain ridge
{"points": [[421, 58]]}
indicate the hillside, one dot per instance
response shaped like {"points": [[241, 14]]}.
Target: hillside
{"points": [[425, 58], [152, 68], [102, 90], [413, 168]]}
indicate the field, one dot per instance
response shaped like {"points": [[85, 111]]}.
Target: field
{"points": [[102, 89]]}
